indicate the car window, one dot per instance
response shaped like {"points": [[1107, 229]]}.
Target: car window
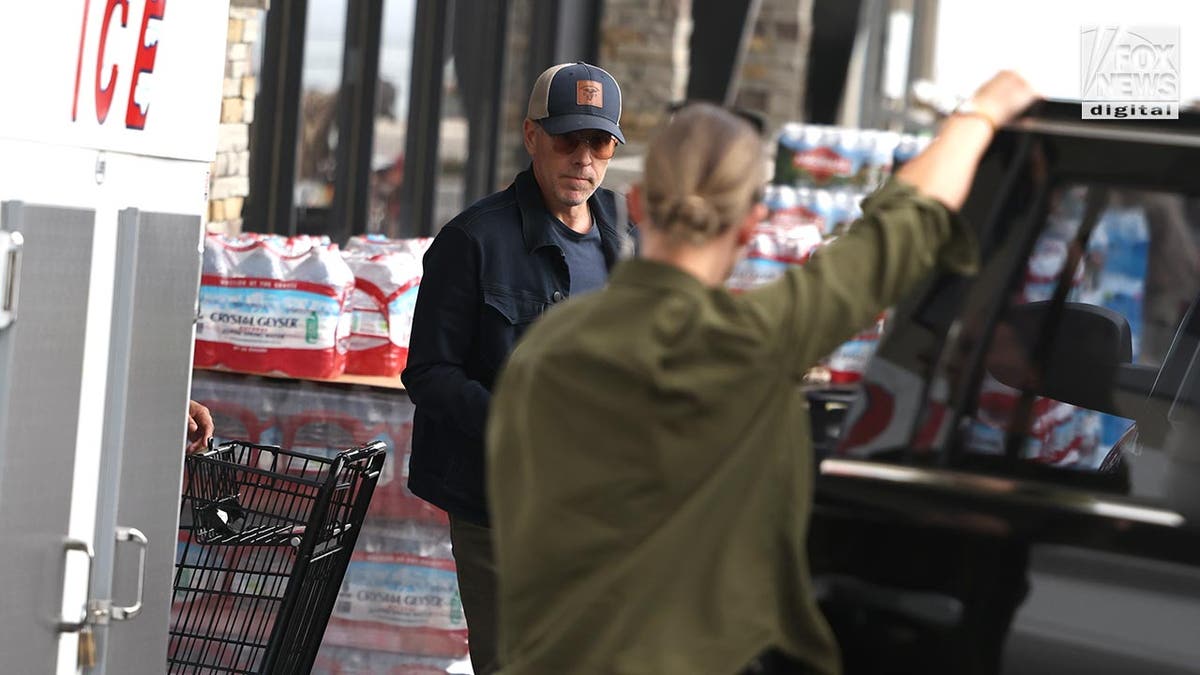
{"points": [[1129, 269]]}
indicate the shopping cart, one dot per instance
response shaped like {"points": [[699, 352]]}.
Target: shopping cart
{"points": [[265, 539]]}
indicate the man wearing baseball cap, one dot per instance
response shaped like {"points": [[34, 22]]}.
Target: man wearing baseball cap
{"points": [[491, 271]]}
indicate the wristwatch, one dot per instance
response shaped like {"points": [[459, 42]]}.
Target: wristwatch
{"points": [[969, 108]]}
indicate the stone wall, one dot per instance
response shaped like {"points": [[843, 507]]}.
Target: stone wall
{"points": [[644, 44], [773, 73], [230, 176]]}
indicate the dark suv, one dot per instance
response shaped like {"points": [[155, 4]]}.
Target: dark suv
{"points": [[1015, 485]]}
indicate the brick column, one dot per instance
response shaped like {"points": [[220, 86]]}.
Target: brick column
{"points": [[776, 62], [230, 177], [644, 44]]}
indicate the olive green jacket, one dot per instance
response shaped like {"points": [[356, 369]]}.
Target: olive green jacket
{"points": [[650, 472]]}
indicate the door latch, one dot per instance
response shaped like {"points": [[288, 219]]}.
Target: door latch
{"points": [[11, 245], [101, 611]]}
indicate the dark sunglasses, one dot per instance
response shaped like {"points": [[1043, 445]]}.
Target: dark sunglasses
{"points": [[601, 143], [755, 120]]}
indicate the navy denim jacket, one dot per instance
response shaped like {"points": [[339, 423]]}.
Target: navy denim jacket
{"points": [[490, 272]]}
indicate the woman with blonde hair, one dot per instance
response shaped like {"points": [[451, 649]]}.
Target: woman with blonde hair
{"points": [[650, 474]]}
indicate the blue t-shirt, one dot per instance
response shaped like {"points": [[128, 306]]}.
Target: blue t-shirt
{"points": [[585, 258]]}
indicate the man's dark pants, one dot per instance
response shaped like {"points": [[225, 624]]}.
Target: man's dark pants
{"points": [[476, 566]]}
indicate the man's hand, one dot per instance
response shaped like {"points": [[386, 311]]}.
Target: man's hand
{"points": [[200, 427]]}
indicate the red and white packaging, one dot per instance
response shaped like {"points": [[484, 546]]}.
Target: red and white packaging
{"points": [[324, 432], [399, 603], [273, 305], [374, 244], [333, 660], [381, 306], [233, 421], [392, 499], [1059, 433], [848, 363], [788, 237], [241, 412]]}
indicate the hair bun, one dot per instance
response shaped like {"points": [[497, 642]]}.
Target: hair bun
{"points": [[695, 213]]}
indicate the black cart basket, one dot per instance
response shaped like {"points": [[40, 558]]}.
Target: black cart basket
{"points": [[265, 539]]}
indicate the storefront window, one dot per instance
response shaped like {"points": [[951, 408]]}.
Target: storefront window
{"points": [[471, 108], [316, 143], [391, 115], [355, 164], [452, 148]]}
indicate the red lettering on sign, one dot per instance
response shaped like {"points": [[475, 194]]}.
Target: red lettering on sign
{"points": [[104, 94], [79, 59], [135, 117], [144, 58]]}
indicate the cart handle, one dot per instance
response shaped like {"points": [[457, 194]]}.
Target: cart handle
{"points": [[372, 448], [214, 449]]}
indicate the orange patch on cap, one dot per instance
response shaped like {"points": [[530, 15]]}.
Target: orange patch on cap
{"points": [[589, 92]]}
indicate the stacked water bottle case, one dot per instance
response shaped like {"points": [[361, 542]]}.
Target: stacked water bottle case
{"points": [[822, 174], [300, 307]]}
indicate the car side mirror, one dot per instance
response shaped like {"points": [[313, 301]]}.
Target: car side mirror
{"points": [[1089, 346]]}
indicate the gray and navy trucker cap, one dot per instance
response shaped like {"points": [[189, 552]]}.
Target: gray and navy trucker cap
{"points": [[574, 96]]}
